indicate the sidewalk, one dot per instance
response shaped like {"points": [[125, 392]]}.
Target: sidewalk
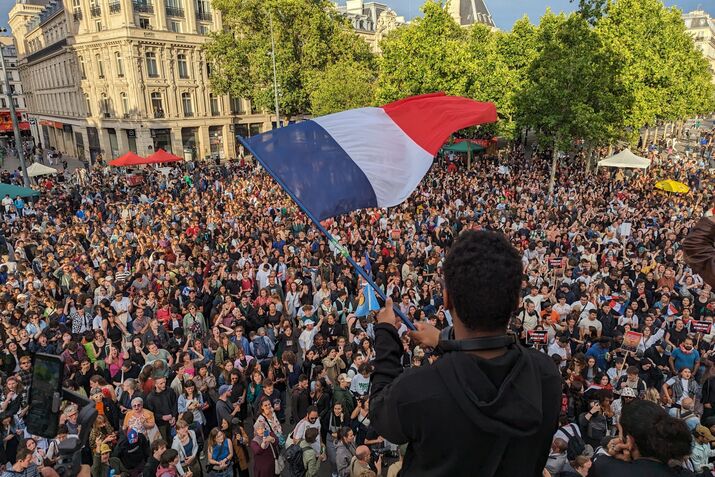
{"points": [[12, 162]]}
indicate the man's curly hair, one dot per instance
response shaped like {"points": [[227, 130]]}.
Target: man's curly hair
{"points": [[482, 275]]}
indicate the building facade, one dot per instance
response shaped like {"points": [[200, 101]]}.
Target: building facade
{"points": [[702, 26], [371, 20], [111, 76], [470, 12], [18, 98]]}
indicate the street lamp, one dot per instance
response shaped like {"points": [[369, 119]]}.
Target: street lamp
{"points": [[13, 116], [275, 80]]}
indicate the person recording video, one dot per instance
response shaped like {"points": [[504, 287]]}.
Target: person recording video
{"points": [[488, 404]]}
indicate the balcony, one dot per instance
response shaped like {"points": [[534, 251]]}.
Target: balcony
{"points": [[115, 7], [143, 7], [174, 12], [188, 114], [77, 15], [107, 115], [95, 11], [158, 113], [204, 16]]}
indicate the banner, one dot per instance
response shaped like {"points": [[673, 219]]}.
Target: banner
{"points": [[538, 336], [699, 326], [631, 340]]}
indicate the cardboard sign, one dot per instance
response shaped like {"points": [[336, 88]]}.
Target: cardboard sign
{"points": [[538, 336], [699, 326], [631, 340]]}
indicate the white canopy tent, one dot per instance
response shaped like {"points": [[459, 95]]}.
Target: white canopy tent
{"points": [[625, 160], [38, 169]]}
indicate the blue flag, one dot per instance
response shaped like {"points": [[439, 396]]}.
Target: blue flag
{"points": [[367, 301]]}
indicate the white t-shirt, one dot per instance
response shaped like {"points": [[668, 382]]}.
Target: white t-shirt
{"points": [[684, 384], [360, 384], [586, 324]]}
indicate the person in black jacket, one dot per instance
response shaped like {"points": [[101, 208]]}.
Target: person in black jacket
{"points": [[163, 402], [491, 412]]}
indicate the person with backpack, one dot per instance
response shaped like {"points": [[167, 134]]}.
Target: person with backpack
{"points": [[308, 457], [575, 445], [594, 424]]}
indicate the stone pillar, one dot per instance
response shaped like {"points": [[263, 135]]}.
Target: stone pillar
{"points": [[204, 148], [145, 143], [104, 143], [122, 141], [190, 10], [128, 13], [176, 143], [160, 14], [229, 142]]}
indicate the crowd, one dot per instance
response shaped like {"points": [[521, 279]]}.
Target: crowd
{"points": [[214, 327]]}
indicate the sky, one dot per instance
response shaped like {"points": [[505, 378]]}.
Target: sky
{"points": [[504, 12]]}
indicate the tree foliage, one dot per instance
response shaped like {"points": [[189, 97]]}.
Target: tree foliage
{"points": [[344, 85], [310, 36], [664, 72]]}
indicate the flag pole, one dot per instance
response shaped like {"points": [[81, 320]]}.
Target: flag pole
{"points": [[343, 251]]}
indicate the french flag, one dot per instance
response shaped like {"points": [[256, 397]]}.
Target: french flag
{"points": [[365, 157], [617, 307], [672, 310]]}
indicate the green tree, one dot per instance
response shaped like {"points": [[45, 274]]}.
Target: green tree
{"points": [[309, 35], [428, 55], [344, 85], [573, 89], [664, 72]]}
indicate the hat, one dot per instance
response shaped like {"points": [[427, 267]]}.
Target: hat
{"points": [[702, 431], [309, 322], [628, 392], [132, 436], [105, 449], [344, 377], [224, 389], [95, 391]]}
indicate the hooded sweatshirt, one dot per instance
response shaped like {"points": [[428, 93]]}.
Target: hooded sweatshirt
{"points": [[464, 415]]}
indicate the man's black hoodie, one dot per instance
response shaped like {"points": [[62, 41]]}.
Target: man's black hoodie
{"points": [[464, 415]]}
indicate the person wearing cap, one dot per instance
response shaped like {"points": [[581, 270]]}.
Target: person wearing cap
{"points": [[101, 465], [702, 449], [305, 340], [131, 452], [225, 409], [342, 394], [628, 394]]}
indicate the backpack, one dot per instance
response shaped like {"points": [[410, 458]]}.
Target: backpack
{"points": [[576, 444], [260, 348], [293, 456]]}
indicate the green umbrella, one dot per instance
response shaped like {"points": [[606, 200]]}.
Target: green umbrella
{"points": [[465, 146], [13, 191]]}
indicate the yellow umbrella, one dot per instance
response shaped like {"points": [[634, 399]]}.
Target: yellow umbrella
{"points": [[669, 185]]}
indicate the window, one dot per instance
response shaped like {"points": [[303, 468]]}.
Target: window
{"points": [[157, 105], [175, 27], [203, 30], [105, 105], [120, 63], [215, 108], [14, 101], [3, 103], [125, 103], [82, 70], [98, 25], [151, 66], [100, 66], [186, 103], [88, 104], [144, 23], [183, 66]]}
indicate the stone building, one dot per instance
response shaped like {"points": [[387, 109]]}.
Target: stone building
{"points": [[108, 76], [6, 131]]}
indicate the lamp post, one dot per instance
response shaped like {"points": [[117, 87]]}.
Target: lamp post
{"points": [[275, 80], [13, 116]]}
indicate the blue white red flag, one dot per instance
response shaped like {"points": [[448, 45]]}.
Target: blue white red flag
{"points": [[672, 310], [365, 157]]}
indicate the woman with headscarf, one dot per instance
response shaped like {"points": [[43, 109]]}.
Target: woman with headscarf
{"points": [[265, 450]]}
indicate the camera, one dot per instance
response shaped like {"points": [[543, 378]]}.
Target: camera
{"points": [[375, 454]]}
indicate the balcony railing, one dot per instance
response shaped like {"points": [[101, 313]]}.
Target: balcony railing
{"points": [[204, 16], [158, 113], [188, 114], [143, 7], [174, 12], [95, 11], [77, 15], [115, 7]]}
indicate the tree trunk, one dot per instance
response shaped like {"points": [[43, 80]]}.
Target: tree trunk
{"points": [[645, 138], [589, 160], [554, 161]]}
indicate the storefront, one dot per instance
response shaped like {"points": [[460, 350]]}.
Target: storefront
{"points": [[162, 139], [216, 142], [189, 141]]}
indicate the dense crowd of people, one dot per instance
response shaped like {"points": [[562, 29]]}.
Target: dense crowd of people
{"points": [[215, 328]]}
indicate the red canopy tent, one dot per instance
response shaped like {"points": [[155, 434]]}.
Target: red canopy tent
{"points": [[161, 156], [128, 159], [131, 159]]}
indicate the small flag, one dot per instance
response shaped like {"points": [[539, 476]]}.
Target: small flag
{"points": [[368, 265], [367, 301], [617, 307], [672, 310], [329, 168]]}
